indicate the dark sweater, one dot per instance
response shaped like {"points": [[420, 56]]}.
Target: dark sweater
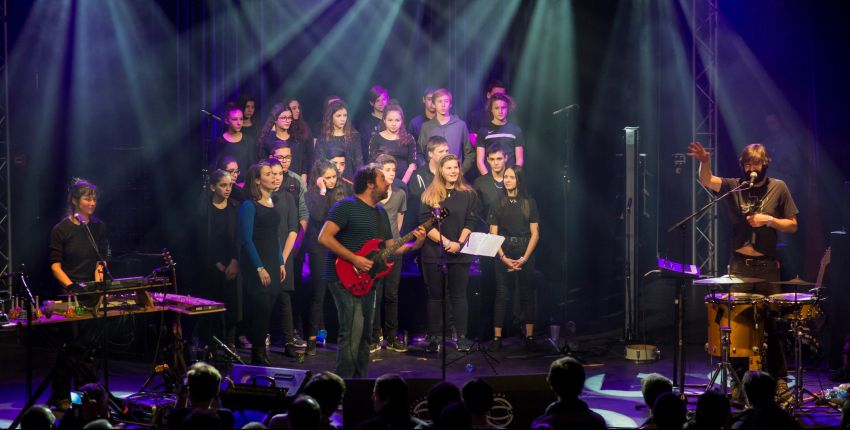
{"points": [[463, 207], [70, 246]]}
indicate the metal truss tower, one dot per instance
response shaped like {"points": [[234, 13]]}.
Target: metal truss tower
{"points": [[704, 128], [5, 184]]}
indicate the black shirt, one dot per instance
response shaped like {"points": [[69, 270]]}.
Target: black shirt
{"points": [[463, 209], [337, 144], [70, 246], [318, 206], [243, 151], [358, 223], [404, 154], [773, 199], [287, 208], [369, 127], [221, 236], [415, 125], [489, 191], [513, 216], [420, 180], [508, 137], [299, 152]]}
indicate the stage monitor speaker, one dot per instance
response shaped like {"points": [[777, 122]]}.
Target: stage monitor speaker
{"points": [[519, 399], [357, 403], [259, 388]]}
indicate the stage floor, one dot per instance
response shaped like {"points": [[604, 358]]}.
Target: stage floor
{"points": [[612, 387]]}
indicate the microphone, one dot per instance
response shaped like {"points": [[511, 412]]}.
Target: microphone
{"points": [[80, 219], [752, 181], [232, 355], [566, 109]]}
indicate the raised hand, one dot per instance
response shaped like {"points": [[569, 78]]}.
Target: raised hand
{"points": [[697, 151]]}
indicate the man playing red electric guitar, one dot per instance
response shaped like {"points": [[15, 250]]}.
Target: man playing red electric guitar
{"points": [[351, 223]]}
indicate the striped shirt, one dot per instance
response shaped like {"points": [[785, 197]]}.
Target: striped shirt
{"points": [[358, 223]]}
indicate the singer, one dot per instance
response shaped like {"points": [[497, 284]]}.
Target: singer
{"points": [[764, 208], [449, 191], [352, 222], [78, 242], [78, 245]]}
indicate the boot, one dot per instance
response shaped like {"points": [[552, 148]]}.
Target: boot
{"points": [[260, 357]]}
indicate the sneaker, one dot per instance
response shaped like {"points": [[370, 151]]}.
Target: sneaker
{"points": [[433, 345], [243, 342], [783, 393], [374, 347], [289, 350], [311, 348], [496, 344], [396, 344], [463, 344]]}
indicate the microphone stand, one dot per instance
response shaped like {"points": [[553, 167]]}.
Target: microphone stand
{"points": [[24, 290], [205, 147], [679, 302], [444, 284], [566, 181]]}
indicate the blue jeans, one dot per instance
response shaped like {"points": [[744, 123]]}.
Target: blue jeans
{"points": [[355, 326]]}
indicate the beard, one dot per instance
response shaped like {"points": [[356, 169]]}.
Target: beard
{"points": [[761, 175]]}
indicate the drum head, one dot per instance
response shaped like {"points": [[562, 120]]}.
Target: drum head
{"points": [[792, 298], [736, 298]]}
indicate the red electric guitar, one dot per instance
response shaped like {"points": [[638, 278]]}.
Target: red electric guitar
{"points": [[360, 282]]}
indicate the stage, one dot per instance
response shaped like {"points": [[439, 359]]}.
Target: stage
{"points": [[612, 387]]}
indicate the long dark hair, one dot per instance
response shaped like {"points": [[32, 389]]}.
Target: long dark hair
{"points": [[319, 168], [522, 196], [254, 174], [327, 121], [299, 126], [404, 137]]}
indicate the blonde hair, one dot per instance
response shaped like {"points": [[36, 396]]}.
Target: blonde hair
{"points": [[437, 192]]}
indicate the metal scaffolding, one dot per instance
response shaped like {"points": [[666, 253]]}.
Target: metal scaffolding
{"points": [[5, 185], [704, 128]]}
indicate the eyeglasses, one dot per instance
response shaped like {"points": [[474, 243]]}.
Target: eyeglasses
{"points": [[283, 157], [286, 118], [232, 171]]}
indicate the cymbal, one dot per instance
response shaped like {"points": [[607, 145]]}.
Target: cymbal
{"points": [[728, 280], [796, 281]]}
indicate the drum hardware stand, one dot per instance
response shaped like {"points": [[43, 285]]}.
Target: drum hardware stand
{"points": [[679, 351], [724, 368], [799, 390]]}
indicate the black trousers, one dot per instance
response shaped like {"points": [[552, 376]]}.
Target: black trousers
{"points": [[72, 362], [386, 303], [458, 279], [767, 269], [259, 307], [318, 287], [217, 287], [285, 301], [508, 282]]}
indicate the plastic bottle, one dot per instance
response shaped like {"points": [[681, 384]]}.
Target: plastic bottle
{"points": [[321, 337]]}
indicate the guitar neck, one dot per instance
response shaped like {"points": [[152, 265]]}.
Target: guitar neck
{"points": [[404, 239], [824, 261]]}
